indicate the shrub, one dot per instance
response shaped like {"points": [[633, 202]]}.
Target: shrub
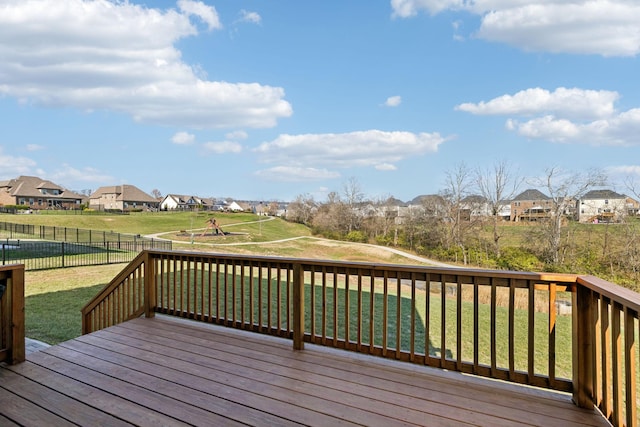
{"points": [[519, 259], [356, 236]]}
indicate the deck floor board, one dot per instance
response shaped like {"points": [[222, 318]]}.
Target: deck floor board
{"points": [[165, 371]]}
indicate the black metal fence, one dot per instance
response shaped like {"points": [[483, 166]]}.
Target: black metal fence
{"points": [[40, 255], [41, 247], [68, 234]]}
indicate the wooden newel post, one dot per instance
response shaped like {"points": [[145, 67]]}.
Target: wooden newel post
{"points": [[12, 312], [583, 318], [298, 307], [18, 327], [149, 286]]}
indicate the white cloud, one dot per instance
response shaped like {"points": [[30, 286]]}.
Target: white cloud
{"points": [[372, 148], [386, 167], [603, 27], [238, 134], [565, 115], [620, 130], [206, 13], [34, 147], [573, 102], [183, 138], [12, 166], [296, 174], [73, 175], [250, 17], [69, 53], [393, 101], [624, 170], [408, 8], [222, 147]]}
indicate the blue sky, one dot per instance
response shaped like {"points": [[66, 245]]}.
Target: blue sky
{"points": [[267, 100]]}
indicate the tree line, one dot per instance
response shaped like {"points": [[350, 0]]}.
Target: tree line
{"points": [[447, 227]]}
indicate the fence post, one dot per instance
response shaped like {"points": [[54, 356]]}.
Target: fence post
{"points": [[62, 252], [298, 307], [149, 285], [583, 318]]}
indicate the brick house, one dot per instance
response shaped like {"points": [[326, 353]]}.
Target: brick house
{"points": [[38, 193], [530, 205], [123, 198]]}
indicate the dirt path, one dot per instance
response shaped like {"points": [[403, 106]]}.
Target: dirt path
{"points": [[271, 242]]}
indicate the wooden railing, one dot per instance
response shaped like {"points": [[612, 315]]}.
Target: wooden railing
{"points": [[12, 347], [576, 334]]}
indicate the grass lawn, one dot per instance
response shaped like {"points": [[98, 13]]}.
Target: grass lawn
{"points": [[54, 298], [165, 222]]}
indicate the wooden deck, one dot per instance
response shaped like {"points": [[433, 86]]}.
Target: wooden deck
{"points": [[168, 372]]}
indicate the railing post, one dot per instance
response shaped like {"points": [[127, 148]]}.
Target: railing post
{"points": [[149, 285], [17, 314], [298, 307], [583, 319], [12, 310]]}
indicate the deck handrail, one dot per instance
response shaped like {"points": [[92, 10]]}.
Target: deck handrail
{"points": [[12, 328], [483, 322]]}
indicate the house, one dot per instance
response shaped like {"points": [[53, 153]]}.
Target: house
{"points": [[604, 206], [234, 207], [184, 202], [530, 205], [123, 198], [38, 193]]}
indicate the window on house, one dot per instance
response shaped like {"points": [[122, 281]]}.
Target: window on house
{"points": [[606, 202]]}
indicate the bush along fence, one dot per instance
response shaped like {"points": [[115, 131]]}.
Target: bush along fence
{"points": [[41, 247]]}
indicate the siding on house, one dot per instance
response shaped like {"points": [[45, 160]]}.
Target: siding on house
{"points": [[605, 206]]}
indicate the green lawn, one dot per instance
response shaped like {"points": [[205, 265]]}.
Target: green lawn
{"points": [[53, 299], [243, 227]]}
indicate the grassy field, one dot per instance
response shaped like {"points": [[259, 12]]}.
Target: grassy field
{"points": [[54, 297], [167, 222]]}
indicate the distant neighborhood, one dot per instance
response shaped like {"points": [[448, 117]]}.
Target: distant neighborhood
{"points": [[35, 193]]}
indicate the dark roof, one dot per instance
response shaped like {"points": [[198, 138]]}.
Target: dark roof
{"points": [[125, 193], [602, 194], [531, 194], [426, 198], [474, 198], [32, 186]]}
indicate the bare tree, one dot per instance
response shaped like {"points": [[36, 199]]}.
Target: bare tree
{"points": [[497, 186], [353, 197], [302, 209], [564, 189], [458, 220], [156, 193]]}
